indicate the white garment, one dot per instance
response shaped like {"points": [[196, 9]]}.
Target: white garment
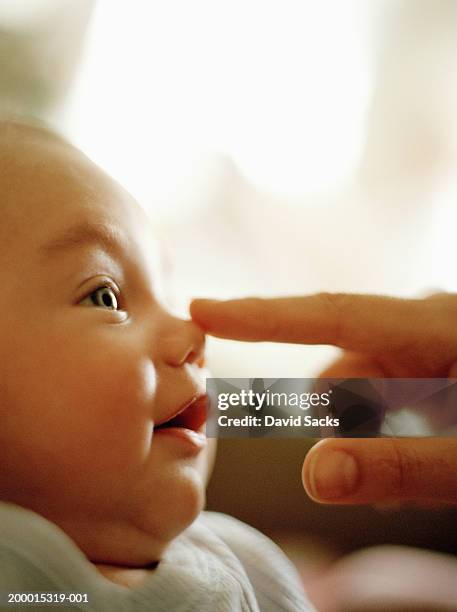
{"points": [[218, 564]]}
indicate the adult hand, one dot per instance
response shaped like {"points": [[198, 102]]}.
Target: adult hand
{"points": [[381, 337]]}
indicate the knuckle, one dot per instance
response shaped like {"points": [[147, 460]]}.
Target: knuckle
{"points": [[443, 305], [263, 319], [402, 471], [337, 303], [436, 295], [437, 336], [271, 321]]}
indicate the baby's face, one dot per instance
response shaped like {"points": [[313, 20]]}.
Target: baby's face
{"points": [[91, 360]]}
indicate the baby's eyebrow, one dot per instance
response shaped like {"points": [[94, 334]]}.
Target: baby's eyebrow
{"points": [[99, 234]]}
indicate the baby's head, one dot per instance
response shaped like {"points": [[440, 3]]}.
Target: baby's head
{"points": [[91, 359]]}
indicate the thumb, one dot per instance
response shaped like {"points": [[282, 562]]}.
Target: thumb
{"points": [[365, 471]]}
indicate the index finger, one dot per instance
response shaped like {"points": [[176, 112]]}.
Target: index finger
{"points": [[351, 321]]}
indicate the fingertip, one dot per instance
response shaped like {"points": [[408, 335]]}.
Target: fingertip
{"points": [[305, 472], [330, 474], [379, 470], [307, 466], [198, 302], [200, 306]]}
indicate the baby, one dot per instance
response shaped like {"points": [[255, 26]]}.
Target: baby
{"points": [[103, 453]]}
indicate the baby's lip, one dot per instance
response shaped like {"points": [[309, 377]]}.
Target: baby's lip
{"points": [[192, 415]]}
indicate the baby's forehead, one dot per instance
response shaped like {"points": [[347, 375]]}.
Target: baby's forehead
{"points": [[38, 154], [38, 166], [25, 181], [15, 131], [33, 164], [24, 148], [46, 185]]}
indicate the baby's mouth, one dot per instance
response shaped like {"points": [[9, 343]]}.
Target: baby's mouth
{"points": [[193, 416]]}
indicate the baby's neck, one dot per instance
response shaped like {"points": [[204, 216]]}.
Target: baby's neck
{"points": [[115, 546], [130, 577]]}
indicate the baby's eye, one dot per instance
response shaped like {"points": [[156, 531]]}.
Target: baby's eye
{"points": [[103, 296]]}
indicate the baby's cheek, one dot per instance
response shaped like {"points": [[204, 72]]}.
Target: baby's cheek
{"points": [[116, 397], [128, 384], [125, 389]]}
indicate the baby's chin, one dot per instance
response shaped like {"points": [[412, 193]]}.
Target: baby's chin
{"points": [[131, 520], [155, 521], [141, 541]]}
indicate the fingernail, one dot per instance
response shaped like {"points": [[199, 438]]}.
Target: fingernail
{"points": [[333, 474]]}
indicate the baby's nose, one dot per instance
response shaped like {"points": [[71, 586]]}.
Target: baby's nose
{"points": [[183, 342]]}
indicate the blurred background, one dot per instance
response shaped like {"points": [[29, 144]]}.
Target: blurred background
{"points": [[281, 147]]}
